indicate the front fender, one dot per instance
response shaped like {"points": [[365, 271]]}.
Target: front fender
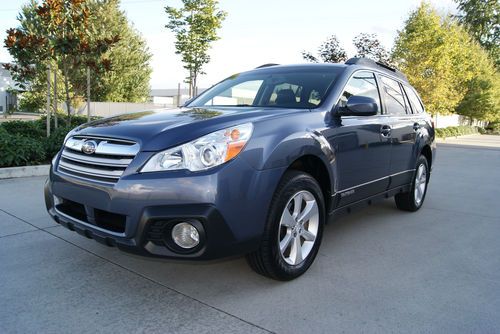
{"points": [[275, 152]]}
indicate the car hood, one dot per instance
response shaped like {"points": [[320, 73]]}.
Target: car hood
{"points": [[160, 129]]}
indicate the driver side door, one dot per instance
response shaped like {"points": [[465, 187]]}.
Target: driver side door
{"points": [[363, 151]]}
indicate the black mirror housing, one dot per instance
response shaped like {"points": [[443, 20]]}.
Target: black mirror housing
{"points": [[359, 106]]}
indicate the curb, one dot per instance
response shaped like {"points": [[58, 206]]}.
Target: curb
{"points": [[24, 171]]}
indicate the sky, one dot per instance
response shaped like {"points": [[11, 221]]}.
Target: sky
{"points": [[255, 32]]}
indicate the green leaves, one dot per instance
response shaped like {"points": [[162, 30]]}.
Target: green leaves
{"points": [[71, 36], [195, 27], [482, 20], [24, 142], [369, 46], [329, 52], [431, 51]]}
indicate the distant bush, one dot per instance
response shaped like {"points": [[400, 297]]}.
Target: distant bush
{"points": [[24, 129], [20, 151], [493, 128], [25, 142], [54, 142], [455, 131]]}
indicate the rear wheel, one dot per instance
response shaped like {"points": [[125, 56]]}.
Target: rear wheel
{"points": [[413, 200], [293, 230]]}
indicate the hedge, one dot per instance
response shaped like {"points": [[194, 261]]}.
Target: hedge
{"points": [[455, 131], [25, 142]]}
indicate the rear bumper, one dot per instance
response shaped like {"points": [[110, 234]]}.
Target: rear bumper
{"points": [[230, 202]]}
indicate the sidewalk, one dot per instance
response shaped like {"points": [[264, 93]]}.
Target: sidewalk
{"points": [[472, 140]]}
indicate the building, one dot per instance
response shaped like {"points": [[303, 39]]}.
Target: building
{"points": [[172, 97], [8, 101]]}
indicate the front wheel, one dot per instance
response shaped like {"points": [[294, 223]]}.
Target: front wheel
{"points": [[413, 200], [293, 230]]}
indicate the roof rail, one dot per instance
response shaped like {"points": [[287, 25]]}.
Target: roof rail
{"points": [[266, 65], [375, 64]]}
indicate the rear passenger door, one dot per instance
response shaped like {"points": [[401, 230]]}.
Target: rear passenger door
{"points": [[402, 131]]}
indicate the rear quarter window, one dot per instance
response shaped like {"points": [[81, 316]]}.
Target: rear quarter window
{"points": [[415, 103]]}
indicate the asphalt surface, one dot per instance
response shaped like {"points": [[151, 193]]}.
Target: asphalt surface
{"points": [[378, 271]]}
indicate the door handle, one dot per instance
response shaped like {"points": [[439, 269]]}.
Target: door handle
{"points": [[385, 130], [416, 126]]}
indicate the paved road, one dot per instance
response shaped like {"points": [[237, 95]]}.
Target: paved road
{"points": [[378, 271]]}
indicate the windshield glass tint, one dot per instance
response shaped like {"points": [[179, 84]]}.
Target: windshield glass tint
{"points": [[281, 89]]}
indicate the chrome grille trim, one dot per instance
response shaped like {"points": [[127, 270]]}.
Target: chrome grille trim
{"points": [[107, 164], [119, 162], [113, 174], [105, 146]]}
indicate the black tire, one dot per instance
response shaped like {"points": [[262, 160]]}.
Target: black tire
{"points": [[409, 201], [268, 259]]}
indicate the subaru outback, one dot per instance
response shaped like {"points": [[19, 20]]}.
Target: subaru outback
{"points": [[255, 165]]}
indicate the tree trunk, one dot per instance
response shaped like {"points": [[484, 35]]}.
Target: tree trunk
{"points": [[55, 98], [190, 83], [194, 81], [66, 88], [88, 94], [48, 101]]}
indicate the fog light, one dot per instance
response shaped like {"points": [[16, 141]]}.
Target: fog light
{"points": [[185, 235]]}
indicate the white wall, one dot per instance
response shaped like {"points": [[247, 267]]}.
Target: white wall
{"points": [[107, 109], [441, 121], [5, 82]]}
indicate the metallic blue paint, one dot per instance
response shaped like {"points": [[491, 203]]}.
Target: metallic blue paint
{"points": [[233, 199]]}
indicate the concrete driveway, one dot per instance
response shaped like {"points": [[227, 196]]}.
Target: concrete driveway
{"points": [[379, 270]]}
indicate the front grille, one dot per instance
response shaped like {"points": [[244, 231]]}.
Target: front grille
{"points": [[106, 220], [105, 159], [110, 221], [73, 209]]}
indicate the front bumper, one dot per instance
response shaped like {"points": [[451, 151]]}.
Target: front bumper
{"points": [[230, 202]]}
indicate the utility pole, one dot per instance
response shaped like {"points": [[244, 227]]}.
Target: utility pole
{"points": [[88, 94], [48, 101], [55, 99]]}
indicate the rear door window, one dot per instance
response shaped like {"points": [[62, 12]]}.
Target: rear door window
{"points": [[393, 96]]}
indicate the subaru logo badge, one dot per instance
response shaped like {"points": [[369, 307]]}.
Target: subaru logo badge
{"points": [[89, 147]]}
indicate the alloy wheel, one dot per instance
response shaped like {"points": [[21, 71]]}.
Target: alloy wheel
{"points": [[420, 183], [298, 228]]}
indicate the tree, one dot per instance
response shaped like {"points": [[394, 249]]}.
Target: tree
{"points": [[482, 20], [482, 98], [128, 79], [433, 53], [328, 52], [195, 26], [368, 46], [129, 74], [58, 32]]}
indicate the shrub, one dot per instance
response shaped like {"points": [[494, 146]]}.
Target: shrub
{"points": [[54, 142], [24, 128], [455, 131], [20, 151], [62, 121], [26, 143]]}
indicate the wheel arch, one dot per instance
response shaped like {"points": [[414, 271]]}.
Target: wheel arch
{"points": [[427, 153], [314, 166]]}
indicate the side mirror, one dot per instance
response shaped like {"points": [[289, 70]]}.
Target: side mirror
{"points": [[359, 106]]}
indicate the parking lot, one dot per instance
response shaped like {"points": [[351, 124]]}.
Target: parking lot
{"points": [[378, 271]]}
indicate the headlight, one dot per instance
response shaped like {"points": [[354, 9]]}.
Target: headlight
{"points": [[203, 153]]}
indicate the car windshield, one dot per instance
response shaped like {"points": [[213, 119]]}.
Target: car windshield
{"points": [[297, 89]]}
